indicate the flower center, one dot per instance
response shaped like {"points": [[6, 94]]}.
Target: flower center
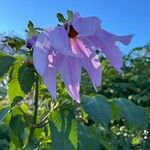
{"points": [[72, 32]]}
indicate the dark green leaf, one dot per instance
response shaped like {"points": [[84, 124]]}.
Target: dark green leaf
{"points": [[134, 114], [86, 140], [97, 108], [26, 78], [5, 63], [30, 25], [16, 100], [18, 127]]}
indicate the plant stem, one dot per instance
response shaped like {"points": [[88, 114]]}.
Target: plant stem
{"points": [[35, 109]]}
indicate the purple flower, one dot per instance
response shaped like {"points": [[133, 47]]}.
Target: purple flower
{"points": [[66, 49], [31, 42]]}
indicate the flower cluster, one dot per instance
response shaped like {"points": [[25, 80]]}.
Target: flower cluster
{"points": [[67, 48]]}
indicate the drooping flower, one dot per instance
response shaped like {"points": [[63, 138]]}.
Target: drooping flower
{"points": [[68, 48]]}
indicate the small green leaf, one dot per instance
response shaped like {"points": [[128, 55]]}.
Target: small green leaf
{"points": [[30, 25], [97, 108], [70, 15], [16, 100], [26, 78], [5, 63], [61, 18], [3, 112]]}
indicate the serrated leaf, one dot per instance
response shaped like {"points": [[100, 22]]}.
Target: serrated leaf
{"points": [[97, 108], [33, 144], [14, 138], [63, 130], [3, 112], [96, 132], [5, 63], [26, 78], [86, 141], [14, 89], [134, 114], [18, 127]]}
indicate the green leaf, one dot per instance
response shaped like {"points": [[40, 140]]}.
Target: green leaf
{"points": [[15, 139], [86, 140], [61, 18], [33, 144], [134, 114], [115, 111], [63, 130], [97, 108], [16, 100], [26, 78], [30, 25], [18, 127], [3, 112], [97, 133], [70, 15], [5, 63], [147, 111], [14, 89]]}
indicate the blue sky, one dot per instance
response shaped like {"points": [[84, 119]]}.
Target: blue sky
{"points": [[118, 16]]}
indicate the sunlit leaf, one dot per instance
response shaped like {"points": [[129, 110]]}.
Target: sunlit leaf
{"points": [[14, 89], [63, 130]]}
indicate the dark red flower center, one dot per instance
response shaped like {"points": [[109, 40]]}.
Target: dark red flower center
{"points": [[72, 32]]}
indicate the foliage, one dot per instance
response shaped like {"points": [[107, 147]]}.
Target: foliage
{"points": [[116, 117]]}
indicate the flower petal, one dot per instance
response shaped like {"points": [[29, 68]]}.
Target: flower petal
{"points": [[109, 37], [90, 62], [79, 48], [85, 26], [106, 42], [60, 41], [40, 53], [92, 65], [70, 71], [54, 60]]}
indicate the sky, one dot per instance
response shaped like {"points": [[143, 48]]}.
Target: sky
{"points": [[120, 17]]}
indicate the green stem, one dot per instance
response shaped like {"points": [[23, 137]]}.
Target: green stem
{"points": [[35, 110]]}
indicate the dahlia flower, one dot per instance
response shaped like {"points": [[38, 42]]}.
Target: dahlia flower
{"points": [[68, 48]]}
